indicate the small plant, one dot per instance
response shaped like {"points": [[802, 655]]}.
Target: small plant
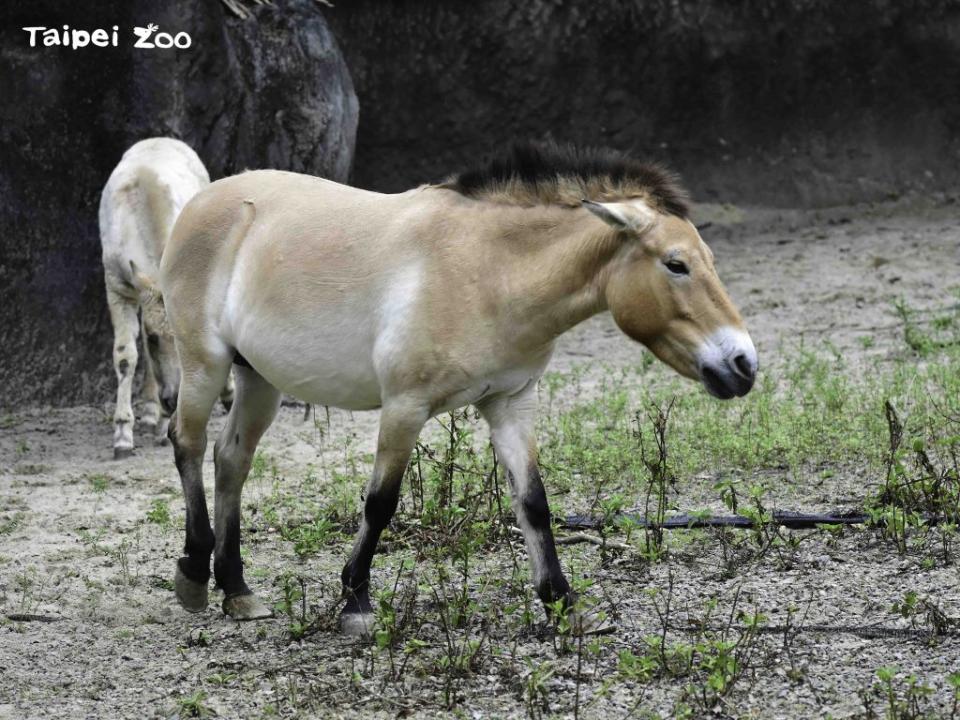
{"points": [[193, 705], [294, 605], [923, 614], [159, 512], [29, 587], [222, 679], [662, 478], [536, 690], [99, 483], [906, 701], [941, 332], [121, 554], [309, 538], [919, 485]]}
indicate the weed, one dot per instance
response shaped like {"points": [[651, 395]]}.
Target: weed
{"points": [[906, 700], [11, 524], [536, 689], [294, 604], [920, 485], [29, 585], [159, 513], [193, 705], [99, 483], [661, 477], [923, 614], [310, 537]]}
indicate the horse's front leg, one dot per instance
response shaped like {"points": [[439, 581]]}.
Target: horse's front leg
{"points": [[123, 317], [400, 424], [512, 420]]}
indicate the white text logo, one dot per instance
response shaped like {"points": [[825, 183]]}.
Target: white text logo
{"points": [[146, 38]]}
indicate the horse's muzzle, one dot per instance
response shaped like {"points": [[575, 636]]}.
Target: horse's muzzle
{"points": [[733, 377]]}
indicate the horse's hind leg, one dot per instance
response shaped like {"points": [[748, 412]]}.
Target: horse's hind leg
{"points": [[152, 419], [126, 327], [400, 424], [254, 408], [151, 398], [200, 385]]}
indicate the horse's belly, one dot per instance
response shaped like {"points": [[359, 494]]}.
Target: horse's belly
{"points": [[322, 370]]}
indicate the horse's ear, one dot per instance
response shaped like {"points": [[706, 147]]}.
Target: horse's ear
{"points": [[144, 284], [634, 217]]}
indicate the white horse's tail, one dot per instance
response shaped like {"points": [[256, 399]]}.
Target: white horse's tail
{"points": [[158, 210]]}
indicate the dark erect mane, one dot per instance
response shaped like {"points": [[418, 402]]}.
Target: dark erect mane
{"points": [[565, 174]]}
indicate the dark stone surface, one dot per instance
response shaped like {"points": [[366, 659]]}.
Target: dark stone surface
{"points": [[268, 91], [790, 102], [786, 102]]}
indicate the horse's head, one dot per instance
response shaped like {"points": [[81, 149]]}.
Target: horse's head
{"points": [[663, 291], [159, 342]]}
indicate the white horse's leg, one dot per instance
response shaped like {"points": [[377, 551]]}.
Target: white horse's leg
{"points": [[200, 384], [400, 424], [123, 316], [227, 394], [150, 393], [512, 421], [256, 405], [150, 396]]}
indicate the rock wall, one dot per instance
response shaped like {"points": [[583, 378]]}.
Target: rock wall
{"points": [[271, 90], [783, 102]]}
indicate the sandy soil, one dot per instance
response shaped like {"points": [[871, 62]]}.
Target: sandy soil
{"points": [[112, 642]]}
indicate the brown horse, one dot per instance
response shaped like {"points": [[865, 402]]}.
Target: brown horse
{"points": [[418, 303]]}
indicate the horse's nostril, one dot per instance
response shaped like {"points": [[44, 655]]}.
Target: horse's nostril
{"points": [[743, 366]]}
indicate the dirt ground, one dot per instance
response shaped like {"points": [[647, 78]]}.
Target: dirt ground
{"points": [[95, 631]]}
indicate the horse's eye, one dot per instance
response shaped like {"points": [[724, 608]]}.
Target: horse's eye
{"points": [[677, 267]]}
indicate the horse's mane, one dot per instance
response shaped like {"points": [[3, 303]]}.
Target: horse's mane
{"points": [[532, 173]]}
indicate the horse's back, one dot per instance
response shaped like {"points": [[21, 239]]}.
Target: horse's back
{"points": [[288, 227], [154, 179]]}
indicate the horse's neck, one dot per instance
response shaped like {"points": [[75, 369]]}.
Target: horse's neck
{"points": [[559, 280]]}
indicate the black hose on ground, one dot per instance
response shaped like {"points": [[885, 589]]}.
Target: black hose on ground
{"points": [[783, 518]]}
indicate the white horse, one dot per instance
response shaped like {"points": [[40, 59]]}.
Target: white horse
{"points": [[141, 201]]}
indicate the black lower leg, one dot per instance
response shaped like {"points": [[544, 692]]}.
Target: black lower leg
{"points": [[551, 584], [199, 536], [198, 547], [227, 565], [377, 511]]}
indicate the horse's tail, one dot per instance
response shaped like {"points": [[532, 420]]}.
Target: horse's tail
{"points": [[160, 211]]}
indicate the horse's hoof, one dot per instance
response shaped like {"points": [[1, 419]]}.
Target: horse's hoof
{"points": [[590, 621], [191, 595], [246, 607], [121, 453], [357, 624]]}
